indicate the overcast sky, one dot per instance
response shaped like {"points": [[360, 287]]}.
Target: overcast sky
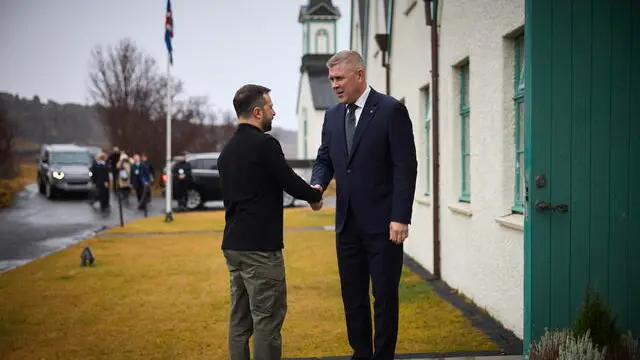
{"points": [[218, 45]]}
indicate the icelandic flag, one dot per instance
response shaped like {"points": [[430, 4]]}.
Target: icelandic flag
{"points": [[168, 31]]}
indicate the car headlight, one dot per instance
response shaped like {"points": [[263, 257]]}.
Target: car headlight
{"points": [[90, 174], [59, 175]]}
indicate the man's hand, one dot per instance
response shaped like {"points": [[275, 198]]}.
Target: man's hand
{"points": [[317, 206], [398, 232]]}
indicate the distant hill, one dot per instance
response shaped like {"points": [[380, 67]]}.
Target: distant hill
{"points": [[36, 122]]}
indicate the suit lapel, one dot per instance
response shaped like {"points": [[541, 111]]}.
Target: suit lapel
{"points": [[368, 111]]}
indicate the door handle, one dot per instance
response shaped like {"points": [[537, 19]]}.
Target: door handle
{"points": [[543, 206]]}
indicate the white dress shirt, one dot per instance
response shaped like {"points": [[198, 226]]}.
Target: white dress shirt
{"points": [[360, 103]]}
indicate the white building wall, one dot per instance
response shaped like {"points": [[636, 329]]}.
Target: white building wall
{"points": [[356, 28], [410, 78], [481, 242], [315, 119], [375, 72], [480, 255]]}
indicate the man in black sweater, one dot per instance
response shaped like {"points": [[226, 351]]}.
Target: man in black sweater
{"points": [[253, 176]]}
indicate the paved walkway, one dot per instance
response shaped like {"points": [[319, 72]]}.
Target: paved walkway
{"points": [[453, 356]]}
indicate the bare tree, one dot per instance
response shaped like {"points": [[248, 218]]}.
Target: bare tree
{"points": [[130, 93], [126, 86], [7, 137]]}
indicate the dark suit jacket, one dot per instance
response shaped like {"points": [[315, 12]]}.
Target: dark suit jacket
{"points": [[378, 179], [139, 175], [100, 173]]}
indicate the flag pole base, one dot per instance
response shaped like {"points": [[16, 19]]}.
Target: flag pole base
{"points": [[168, 217]]}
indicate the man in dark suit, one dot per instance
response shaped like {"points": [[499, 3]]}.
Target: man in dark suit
{"points": [[368, 146], [112, 163], [253, 176]]}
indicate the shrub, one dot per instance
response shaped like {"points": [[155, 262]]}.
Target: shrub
{"points": [[630, 346], [581, 347], [596, 318], [595, 336], [548, 348]]}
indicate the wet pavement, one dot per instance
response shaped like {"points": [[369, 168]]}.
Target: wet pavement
{"points": [[34, 226]]}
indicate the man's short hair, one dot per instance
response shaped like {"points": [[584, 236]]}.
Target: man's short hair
{"points": [[352, 58], [249, 97]]}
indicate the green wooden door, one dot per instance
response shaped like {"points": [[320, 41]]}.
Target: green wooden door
{"points": [[583, 140]]}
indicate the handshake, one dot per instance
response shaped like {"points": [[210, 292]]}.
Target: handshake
{"points": [[318, 205]]}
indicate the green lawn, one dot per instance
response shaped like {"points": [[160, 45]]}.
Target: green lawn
{"points": [[166, 297]]}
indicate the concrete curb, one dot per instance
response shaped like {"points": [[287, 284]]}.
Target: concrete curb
{"points": [[72, 240]]}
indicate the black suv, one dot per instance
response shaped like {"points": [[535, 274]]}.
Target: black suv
{"points": [[206, 181], [64, 168]]}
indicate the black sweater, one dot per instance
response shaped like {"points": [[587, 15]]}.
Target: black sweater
{"points": [[253, 175]]}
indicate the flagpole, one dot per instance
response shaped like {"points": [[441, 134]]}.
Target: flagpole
{"points": [[169, 186], [168, 192]]}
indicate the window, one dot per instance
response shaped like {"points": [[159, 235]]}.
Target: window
{"points": [[204, 164], [427, 141], [465, 153], [70, 158], [518, 99], [322, 41]]}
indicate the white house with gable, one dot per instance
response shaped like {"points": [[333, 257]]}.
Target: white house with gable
{"points": [[319, 41], [481, 136]]}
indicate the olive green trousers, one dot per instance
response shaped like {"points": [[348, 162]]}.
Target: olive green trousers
{"points": [[258, 303]]}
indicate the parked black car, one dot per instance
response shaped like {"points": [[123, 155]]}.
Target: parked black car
{"points": [[64, 168], [206, 181]]}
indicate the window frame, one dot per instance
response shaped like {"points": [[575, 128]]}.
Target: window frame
{"points": [[465, 139], [518, 103]]}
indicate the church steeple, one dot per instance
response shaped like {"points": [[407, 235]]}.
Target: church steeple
{"points": [[319, 26]]}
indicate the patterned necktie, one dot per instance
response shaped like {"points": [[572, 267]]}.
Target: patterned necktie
{"points": [[350, 125]]}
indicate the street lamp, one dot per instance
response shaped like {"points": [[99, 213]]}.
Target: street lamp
{"points": [[383, 44]]}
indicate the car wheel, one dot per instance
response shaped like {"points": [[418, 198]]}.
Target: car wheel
{"points": [[194, 199], [288, 200]]}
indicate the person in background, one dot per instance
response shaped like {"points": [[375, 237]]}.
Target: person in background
{"points": [[112, 164], [182, 174], [140, 180], [150, 169], [100, 178], [124, 176]]}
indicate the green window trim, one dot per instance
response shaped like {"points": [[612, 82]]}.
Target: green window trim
{"points": [[427, 140], [325, 33], [465, 152], [519, 104]]}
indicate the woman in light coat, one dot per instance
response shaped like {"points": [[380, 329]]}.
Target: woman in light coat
{"points": [[124, 175]]}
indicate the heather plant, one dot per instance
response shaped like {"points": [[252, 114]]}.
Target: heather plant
{"points": [[581, 347], [548, 348]]}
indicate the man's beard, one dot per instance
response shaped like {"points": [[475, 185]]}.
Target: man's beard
{"points": [[266, 125]]}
